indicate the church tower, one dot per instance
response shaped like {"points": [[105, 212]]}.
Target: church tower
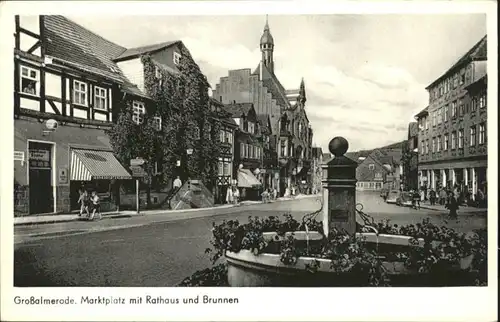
{"points": [[267, 48]]}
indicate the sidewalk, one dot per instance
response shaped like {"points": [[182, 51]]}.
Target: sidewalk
{"points": [[51, 219], [460, 209]]}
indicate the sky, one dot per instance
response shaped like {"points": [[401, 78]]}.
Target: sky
{"points": [[365, 75]]}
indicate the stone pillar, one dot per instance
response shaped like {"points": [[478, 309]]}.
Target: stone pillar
{"points": [[428, 179], [466, 177], [433, 180], [474, 183], [443, 181], [453, 177], [339, 186]]}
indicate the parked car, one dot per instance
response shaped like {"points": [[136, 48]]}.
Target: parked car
{"points": [[392, 197], [404, 199]]}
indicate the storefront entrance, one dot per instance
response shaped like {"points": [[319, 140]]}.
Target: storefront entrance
{"points": [[40, 178]]}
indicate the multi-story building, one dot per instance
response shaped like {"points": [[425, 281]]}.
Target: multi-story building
{"points": [[380, 169], [248, 151], [270, 170], [286, 109], [67, 91], [225, 165], [410, 158], [453, 136]]}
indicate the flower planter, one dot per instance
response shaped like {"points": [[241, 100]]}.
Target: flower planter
{"points": [[245, 269]]}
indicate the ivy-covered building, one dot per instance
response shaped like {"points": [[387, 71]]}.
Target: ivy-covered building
{"points": [[85, 106], [286, 109]]}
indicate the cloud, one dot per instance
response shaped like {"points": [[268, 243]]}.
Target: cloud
{"points": [[365, 75]]}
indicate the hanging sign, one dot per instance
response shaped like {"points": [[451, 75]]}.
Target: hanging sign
{"points": [[136, 162], [137, 171]]}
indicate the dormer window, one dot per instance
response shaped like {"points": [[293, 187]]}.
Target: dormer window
{"points": [[371, 166], [139, 110], [177, 58], [80, 93], [100, 95], [29, 81]]}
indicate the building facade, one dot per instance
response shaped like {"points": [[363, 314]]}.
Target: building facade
{"points": [[410, 159], [270, 171], [380, 169], [286, 109], [225, 165], [248, 150], [67, 92], [453, 128]]}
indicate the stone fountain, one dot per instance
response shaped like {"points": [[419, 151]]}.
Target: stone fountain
{"points": [[339, 211]]}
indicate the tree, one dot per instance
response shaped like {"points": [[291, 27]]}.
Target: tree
{"points": [[181, 100], [130, 140]]}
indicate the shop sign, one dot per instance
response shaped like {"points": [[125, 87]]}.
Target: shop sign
{"points": [[39, 155], [137, 171], [136, 162], [39, 159], [63, 175]]}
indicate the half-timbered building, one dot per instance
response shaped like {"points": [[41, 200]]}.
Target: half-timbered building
{"points": [[67, 92]]}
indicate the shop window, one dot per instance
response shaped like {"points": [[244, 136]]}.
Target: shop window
{"points": [[30, 81], [80, 93], [100, 101], [138, 112]]}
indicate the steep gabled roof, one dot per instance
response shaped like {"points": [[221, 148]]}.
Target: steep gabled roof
{"points": [[238, 109], [272, 83], [412, 129], [138, 51], [477, 52], [265, 121], [67, 41], [78, 47]]}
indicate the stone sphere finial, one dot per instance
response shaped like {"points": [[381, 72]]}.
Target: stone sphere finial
{"points": [[338, 146]]}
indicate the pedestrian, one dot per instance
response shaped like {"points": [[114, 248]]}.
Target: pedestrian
{"points": [[229, 195], [442, 196], [416, 199], [236, 196], [96, 205], [432, 197], [275, 194], [83, 201], [422, 195], [264, 196], [177, 183], [452, 206]]}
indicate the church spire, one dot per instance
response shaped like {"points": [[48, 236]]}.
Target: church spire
{"points": [[302, 92], [267, 47]]}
